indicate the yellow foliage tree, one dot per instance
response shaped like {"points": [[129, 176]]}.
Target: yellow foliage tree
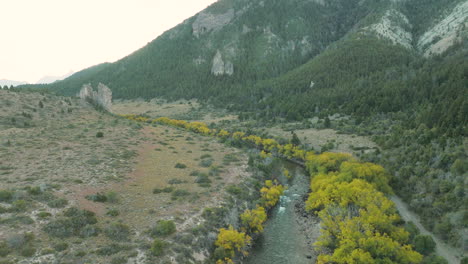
{"points": [[370, 172], [271, 194], [232, 241], [252, 220], [326, 162]]}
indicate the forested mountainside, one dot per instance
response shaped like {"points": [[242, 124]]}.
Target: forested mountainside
{"points": [[397, 69], [294, 59]]}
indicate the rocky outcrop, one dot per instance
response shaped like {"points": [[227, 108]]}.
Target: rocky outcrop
{"points": [[206, 22], [445, 33], [393, 27], [102, 97], [220, 67]]}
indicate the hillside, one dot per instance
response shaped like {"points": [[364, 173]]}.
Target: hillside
{"points": [[394, 71], [83, 186]]}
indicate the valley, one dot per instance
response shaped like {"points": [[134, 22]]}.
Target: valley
{"points": [[254, 131]]}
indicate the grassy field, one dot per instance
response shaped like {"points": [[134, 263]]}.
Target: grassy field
{"points": [[59, 153]]}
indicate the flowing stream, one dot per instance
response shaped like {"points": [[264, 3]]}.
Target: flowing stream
{"points": [[282, 241]]}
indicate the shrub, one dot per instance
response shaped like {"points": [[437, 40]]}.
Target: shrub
{"points": [[98, 197], [165, 190], [180, 166], [99, 134], [234, 190], [163, 228], [28, 251], [119, 260], [434, 259], [4, 249], [112, 249], [424, 244], [112, 197], [70, 225], [157, 248], [113, 212], [61, 246], [179, 194], [176, 181], [19, 206], [203, 180], [34, 190], [44, 215], [57, 203], [206, 163], [117, 231], [89, 231]]}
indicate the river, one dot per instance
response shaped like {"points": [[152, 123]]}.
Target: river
{"points": [[282, 241]]}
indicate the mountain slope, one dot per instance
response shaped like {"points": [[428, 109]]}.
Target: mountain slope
{"points": [[295, 59]]}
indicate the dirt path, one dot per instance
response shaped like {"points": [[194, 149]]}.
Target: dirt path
{"points": [[449, 253]]}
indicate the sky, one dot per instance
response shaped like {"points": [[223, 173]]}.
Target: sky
{"points": [[54, 37]]}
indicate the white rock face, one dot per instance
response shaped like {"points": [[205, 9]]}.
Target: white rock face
{"points": [[206, 22], [103, 96], [218, 64], [220, 67], [446, 33], [86, 92], [392, 27]]}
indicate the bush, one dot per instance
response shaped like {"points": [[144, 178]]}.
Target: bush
{"points": [[119, 260], [44, 215], [165, 190], [61, 246], [89, 231], [112, 249], [424, 244], [112, 197], [180, 166], [157, 248], [113, 212], [203, 180], [234, 190], [70, 225], [57, 203], [176, 181], [28, 251], [4, 249], [19, 206], [99, 134], [98, 197], [206, 163], [179, 194], [163, 228], [117, 231], [434, 259]]}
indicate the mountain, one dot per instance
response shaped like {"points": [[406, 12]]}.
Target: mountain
{"points": [[50, 79], [5, 82], [394, 70], [295, 59]]}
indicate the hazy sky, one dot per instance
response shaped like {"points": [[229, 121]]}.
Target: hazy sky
{"points": [[52, 37]]}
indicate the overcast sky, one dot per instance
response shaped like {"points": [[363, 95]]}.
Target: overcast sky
{"points": [[53, 37]]}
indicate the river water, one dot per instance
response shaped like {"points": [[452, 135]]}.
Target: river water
{"points": [[282, 242]]}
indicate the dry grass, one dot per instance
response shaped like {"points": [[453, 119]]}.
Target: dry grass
{"points": [[319, 137], [155, 108], [60, 148]]}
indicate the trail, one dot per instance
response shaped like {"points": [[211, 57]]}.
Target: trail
{"points": [[442, 249]]}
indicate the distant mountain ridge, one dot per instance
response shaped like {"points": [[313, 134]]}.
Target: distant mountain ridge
{"points": [[260, 58], [50, 78], [9, 83]]}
